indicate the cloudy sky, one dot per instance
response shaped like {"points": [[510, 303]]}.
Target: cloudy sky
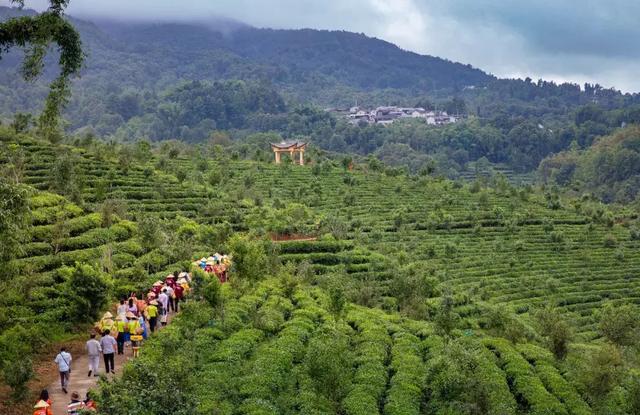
{"points": [[577, 40]]}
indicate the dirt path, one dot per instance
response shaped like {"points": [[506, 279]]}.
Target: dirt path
{"points": [[80, 382]]}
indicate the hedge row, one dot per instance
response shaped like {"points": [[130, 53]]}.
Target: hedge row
{"points": [[405, 391], [302, 247], [553, 380], [527, 387], [370, 380]]}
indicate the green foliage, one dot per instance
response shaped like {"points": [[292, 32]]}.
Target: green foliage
{"points": [[14, 213], [619, 325], [250, 260], [328, 363], [15, 361], [87, 291], [601, 373], [555, 329], [405, 384], [35, 34], [446, 319], [609, 167], [149, 232], [211, 292]]}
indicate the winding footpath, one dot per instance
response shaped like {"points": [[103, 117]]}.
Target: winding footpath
{"points": [[80, 382]]}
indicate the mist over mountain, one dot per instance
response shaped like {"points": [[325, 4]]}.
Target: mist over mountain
{"points": [[181, 79]]}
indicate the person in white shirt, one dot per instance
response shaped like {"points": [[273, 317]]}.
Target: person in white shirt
{"points": [[63, 360], [93, 351], [170, 296], [108, 345], [163, 298], [122, 308]]}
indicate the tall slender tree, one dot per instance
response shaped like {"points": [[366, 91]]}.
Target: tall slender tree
{"points": [[35, 34]]}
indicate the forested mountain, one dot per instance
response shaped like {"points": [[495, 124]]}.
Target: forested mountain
{"points": [[184, 80], [610, 167]]}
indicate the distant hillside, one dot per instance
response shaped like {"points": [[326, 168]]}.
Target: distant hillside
{"points": [[610, 167], [184, 80]]}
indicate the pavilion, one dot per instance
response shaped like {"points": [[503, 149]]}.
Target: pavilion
{"points": [[290, 147]]}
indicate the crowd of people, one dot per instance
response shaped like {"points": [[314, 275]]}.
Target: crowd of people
{"points": [[137, 316], [217, 264]]}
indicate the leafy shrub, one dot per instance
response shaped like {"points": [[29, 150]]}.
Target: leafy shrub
{"points": [[526, 384], [619, 324], [328, 363], [249, 257], [87, 292], [555, 329], [211, 292], [405, 387], [610, 241]]}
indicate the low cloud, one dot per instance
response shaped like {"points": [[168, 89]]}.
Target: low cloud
{"points": [[577, 40]]}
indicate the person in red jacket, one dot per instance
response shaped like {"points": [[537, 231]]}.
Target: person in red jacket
{"points": [[178, 291], [43, 406], [157, 287]]}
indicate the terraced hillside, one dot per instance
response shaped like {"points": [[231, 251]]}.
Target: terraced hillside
{"points": [[513, 247], [393, 246], [286, 350]]}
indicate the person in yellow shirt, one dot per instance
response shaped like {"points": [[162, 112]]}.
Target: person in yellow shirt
{"points": [[135, 332], [152, 315], [106, 323], [121, 338]]}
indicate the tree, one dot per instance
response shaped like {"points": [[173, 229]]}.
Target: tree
{"points": [[60, 231], [35, 34], [21, 122], [111, 208], [149, 232], [65, 178], [87, 292], [212, 293], [329, 363], [249, 257], [446, 319], [555, 329], [601, 373], [16, 164], [14, 214], [619, 324]]}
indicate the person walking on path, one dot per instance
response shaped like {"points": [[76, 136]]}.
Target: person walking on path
{"points": [[178, 291], [108, 345], [169, 291], [93, 351], [152, 314], [63, 360], [163, 298], [133, 306], [121, 326], [122, 308], [135, 332]]}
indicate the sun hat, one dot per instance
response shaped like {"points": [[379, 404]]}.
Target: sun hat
{"points": [[107, 315], [153, 302], [130, 315], [41, 404]]}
